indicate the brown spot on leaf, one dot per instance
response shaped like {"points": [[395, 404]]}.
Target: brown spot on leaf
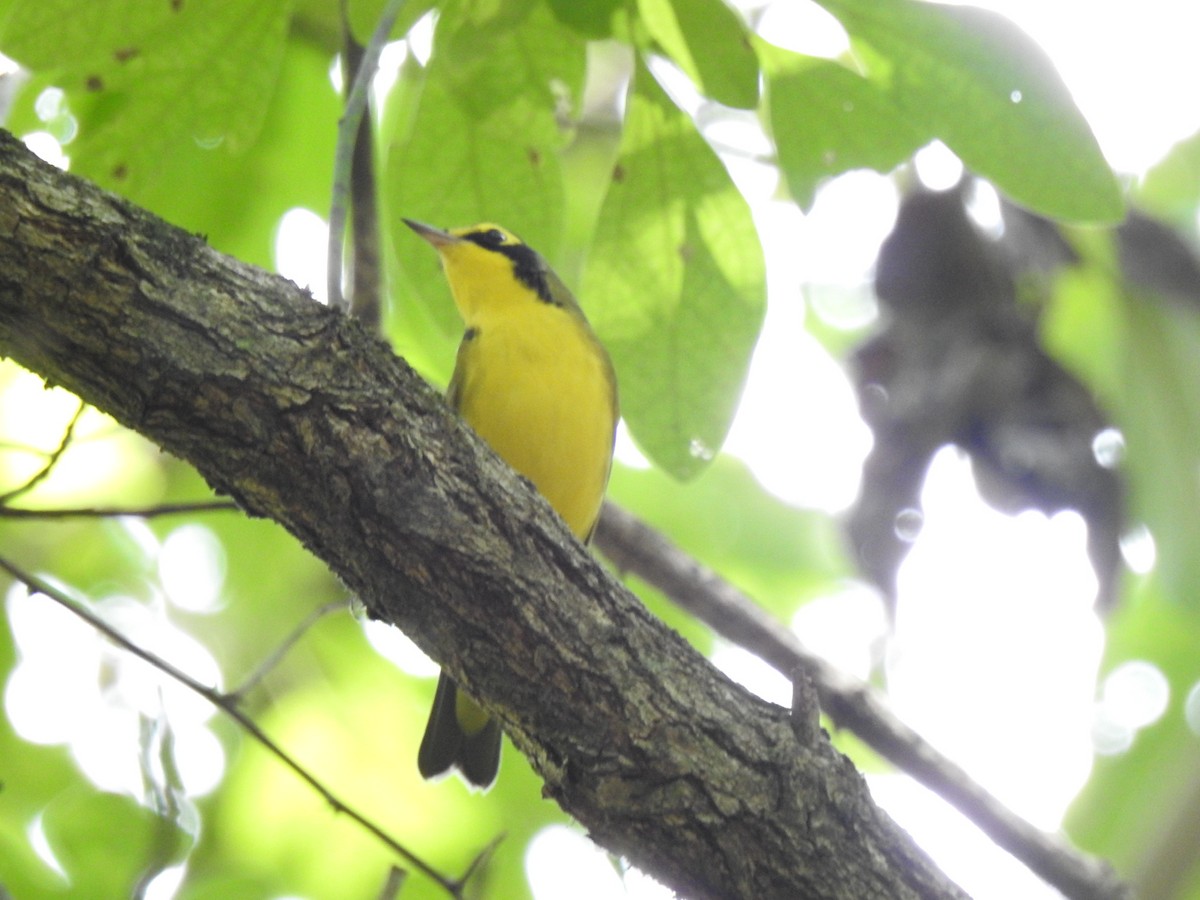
{"points": [[535, 158], [120, 171], [618, 174], [125, 54], [94, 83]]}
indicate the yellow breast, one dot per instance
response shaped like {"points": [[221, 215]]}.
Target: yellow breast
{"points": [[535, 384]]}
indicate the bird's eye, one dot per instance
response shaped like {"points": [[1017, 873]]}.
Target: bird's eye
{"points": [[495, 237]]}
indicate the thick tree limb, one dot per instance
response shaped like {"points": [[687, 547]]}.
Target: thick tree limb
{"points": [[300, 415]]}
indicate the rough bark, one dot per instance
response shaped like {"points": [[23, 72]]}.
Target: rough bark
{"points": [[300, 415]]}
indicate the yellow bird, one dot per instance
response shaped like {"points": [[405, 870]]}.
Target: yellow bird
{"points": [[532, 379]]}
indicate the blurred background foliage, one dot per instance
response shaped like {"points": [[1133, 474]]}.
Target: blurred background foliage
{"points": [[602, 132]]}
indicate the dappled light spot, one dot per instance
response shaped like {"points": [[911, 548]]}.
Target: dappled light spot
{"points": [[299, 233], [908, 524], [73, 687], [1135, 694], [1139, 550], [1191, 708], [191, 566], [753, 673], [562, 862], [1108, 446]]}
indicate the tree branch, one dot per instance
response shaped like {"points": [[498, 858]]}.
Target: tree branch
{"points": [[634, 546], [101, 512], [52, 459], [300, 415], [228, 703]]}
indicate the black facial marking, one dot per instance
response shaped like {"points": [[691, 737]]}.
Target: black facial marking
{"points": [[528, 267], [492, 239], [530, 270]]}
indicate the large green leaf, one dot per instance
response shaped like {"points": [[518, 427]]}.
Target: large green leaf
{"points": [[595, 20], [236, 200], [146, 79], [492, 117], [1162, 361], [827, 120], [708, 41], [992, 95], [483, 143], [363, 15], [1133, 347], [674, 283]]}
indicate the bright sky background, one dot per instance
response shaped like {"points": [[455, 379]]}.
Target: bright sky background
{"points": [[1024, 730]]}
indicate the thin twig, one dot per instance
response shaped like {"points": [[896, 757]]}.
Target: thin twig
{"points": [[102, 512], [356, 105], [392, 885], [454, 887], [634, 546], [51, 460], [365, 275], [483, 856], [284, 647]]}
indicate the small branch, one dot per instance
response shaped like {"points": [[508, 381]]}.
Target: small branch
{"points": [[228, 705], [51, 460], [634, 546], [102, 512], [356, 105], [366, 277], [391, 887], [284, 648], [482, 857]]}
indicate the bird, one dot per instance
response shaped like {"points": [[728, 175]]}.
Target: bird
{"points": [[532, 379]]}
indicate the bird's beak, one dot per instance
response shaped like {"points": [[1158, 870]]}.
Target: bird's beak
{"points": [[435, 236]]}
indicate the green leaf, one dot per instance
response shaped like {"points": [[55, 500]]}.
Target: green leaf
{"points": [[482, 145], [771, 549], [1130, 346], [992, 95], [289, 165], [595, 20], [1172, 188], [1163, 362], [674, 283], [827, 120], [107, 841], [363, 16], [708, 41], [1144, 782], [147, 80], [490, 123]]}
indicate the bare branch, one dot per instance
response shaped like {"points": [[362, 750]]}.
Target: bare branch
{"points": [[347, 149], [364, 265], [228, 705], [51, 460], [264, 668], [110, 512]]}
